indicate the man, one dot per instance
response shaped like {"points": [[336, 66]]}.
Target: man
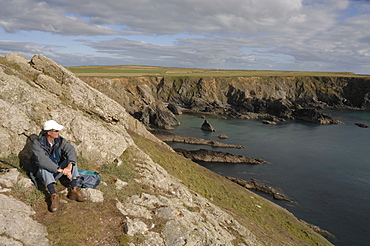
{"points": [[55, 157]]}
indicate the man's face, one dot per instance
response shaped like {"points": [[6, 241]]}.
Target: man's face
{"points": [[53, 133]]}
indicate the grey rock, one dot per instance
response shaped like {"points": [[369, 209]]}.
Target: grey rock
{"points": [[49, 84], [134, 227], [120, 184], [5, 241], [25, 182], [12, 178], [21, 61], [174, 108], [153, 239], [16, 223], [4, 190], [9, 179], [135, 210], [93, 195]]}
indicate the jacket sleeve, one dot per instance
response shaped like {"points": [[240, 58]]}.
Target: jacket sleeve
{"points": [[41, 158], [68, 151]]}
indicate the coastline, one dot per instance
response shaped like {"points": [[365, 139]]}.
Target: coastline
{"points": [[308, 164], [250, 185]]}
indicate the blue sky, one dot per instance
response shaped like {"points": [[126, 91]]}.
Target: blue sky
{"points": [[298, 35]]}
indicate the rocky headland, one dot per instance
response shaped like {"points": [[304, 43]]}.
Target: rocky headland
{"points": [[275, 99], [149, 194]]}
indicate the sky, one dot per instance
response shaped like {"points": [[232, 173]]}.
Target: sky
{"points": [[291, 35]]}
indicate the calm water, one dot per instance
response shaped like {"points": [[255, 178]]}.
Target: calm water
{"points": [[325, 170]]}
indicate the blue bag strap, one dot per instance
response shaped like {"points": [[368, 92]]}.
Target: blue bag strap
{"points": [[87, 172]]}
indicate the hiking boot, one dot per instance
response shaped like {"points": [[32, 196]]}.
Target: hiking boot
{"points": [[75, 194], [54, 203]]}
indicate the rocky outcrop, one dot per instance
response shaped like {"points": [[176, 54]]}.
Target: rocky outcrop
{"points": [[269, 122], [254, 185], [312, 115], [362, 125], [170, 137], [34, 104], [12, 178], [16, 222], [157, 115], [189, 218], [206, 126], [139, 99], [17, 226], [174, 108], [203, 155]]}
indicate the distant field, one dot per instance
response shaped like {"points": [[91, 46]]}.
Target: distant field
{"points": [[138, 71]]}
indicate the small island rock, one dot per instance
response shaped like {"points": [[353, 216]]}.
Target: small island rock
{"points": [[207, 126], [222, 136], [362, 125]]}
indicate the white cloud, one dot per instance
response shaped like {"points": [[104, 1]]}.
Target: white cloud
{"points": [[252, 34], [25, 48], [247, 17], [33, 15], [208, 16]]}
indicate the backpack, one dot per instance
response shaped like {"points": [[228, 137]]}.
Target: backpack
{"points": [[88, 179]]}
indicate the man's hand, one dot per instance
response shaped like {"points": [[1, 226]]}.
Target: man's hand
{"points": [[67, 171]]}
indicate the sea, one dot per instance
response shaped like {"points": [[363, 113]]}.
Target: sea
{"points": [[323, 169]]}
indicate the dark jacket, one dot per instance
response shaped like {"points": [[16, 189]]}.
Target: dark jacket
{"points": [[42, 153]]}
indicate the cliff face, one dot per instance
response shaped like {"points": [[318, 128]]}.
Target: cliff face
{"points": [[259, 94], [169, 200], [241, 97]]}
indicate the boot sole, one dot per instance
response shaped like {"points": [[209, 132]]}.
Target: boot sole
{"points": [[75, 199]]}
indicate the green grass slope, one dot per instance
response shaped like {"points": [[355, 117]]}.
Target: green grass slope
{"points": [[272, 224]]}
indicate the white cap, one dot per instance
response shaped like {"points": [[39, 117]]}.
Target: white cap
{"points": [[52, 125]]}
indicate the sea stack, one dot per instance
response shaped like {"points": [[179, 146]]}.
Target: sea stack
{"points": [[207, 126]]}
